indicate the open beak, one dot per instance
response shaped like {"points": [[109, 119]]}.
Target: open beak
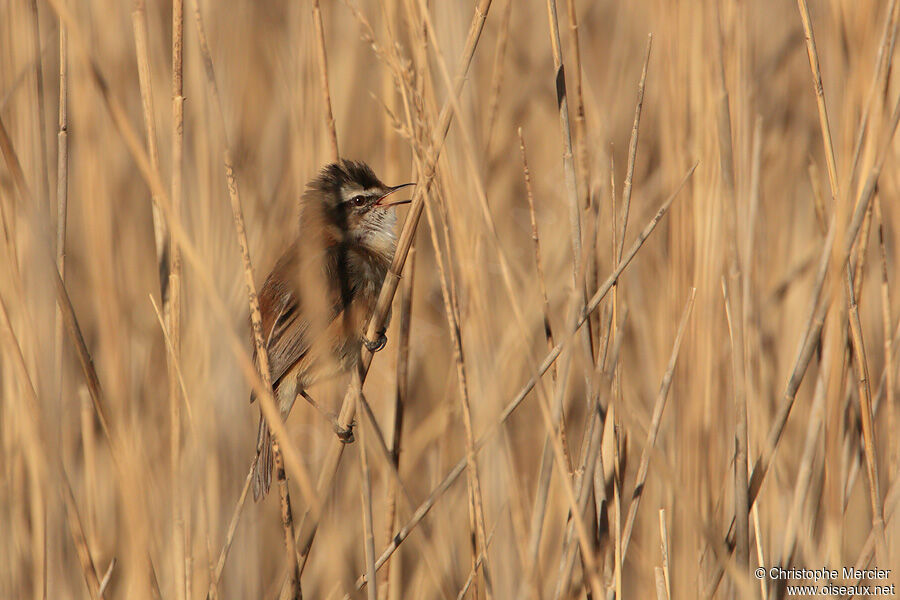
{"points": [[381, 203]]}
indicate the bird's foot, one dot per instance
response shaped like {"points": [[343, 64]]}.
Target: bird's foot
{"points": [[378, 344], [345, 434]]}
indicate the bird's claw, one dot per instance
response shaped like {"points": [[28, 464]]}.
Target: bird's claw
{"points": [[345, 434], [375, 346]]}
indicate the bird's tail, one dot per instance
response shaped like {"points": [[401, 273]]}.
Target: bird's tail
{"points": [[262, 471]]}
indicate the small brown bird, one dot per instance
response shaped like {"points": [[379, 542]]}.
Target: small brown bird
{"points": [[322, 291]]}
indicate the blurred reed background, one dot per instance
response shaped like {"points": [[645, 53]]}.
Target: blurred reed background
{"points": [[127, 489]]}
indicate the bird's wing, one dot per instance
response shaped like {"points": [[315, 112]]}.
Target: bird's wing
{"points": [[285, 333]]}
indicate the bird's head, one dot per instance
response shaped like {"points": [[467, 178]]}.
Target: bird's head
{"points": [[354, 206]]}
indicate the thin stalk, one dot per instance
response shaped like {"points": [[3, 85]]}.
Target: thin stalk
{"points": [[270, 412], [323, 80], [734, 299], [655, 422], [423, 509], [401, 396], [160, 229], [865, 409], [175, 285], [309, 524], [366, 499]]}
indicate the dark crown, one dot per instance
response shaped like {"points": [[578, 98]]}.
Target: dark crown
{"points": [[332, 177]]}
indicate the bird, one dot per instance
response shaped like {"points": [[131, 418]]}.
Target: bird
{"points": [[323, 289]]}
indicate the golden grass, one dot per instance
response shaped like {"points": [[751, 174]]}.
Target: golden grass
{"points": [[720, 199]]}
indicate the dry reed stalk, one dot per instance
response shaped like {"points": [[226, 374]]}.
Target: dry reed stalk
{"points": [[39, 113], [538, 513], [287, 522], [323, 80], [618, 474], [385, 454], [886, 322], [175, 304], [805, 469], [735, 300], [580, 122], [882, 64], [570, 177], [107, 577], [477, 530], [590, 457], [655, 421], [49, 461], [535, 238], [88, 569], [557, 413], [868, 549], [212, 592], [309, 524], [584, 538], [820, 102], [497, 76], [237, 210], [632, 151], [838, 206], [151, 176], [62, 202], [448, 480], [160, 230], [366, 500], [749, 254], [514, 304], [861, 366], [818, 202], [401, 396], [664, 550], [62, 188], [562, 102], [813, 328], [760, 556], [660, 580], [179, 374], [474, 570], [860, 363]]}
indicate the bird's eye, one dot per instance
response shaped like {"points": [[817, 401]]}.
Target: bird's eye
{"points": [[358, 200]]}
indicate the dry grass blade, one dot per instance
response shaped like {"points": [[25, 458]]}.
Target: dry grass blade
{"points": [[476, 504], [212, 592], [814, 322], [81, 548], [323, 82], [861, 365], [107, 577], [53, 462], [655, 421], [366, 500], [62, 196], [632, 150], [270, 412], [401, 397], [448, 480], [175, 301], [664, 550], [39, 111], [734, 301], [538, 263], [160, 230], [511, 355], [309, 525], [562, 102]]}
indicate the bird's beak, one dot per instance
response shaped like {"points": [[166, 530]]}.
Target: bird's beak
{"points": [[381, 203]]}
